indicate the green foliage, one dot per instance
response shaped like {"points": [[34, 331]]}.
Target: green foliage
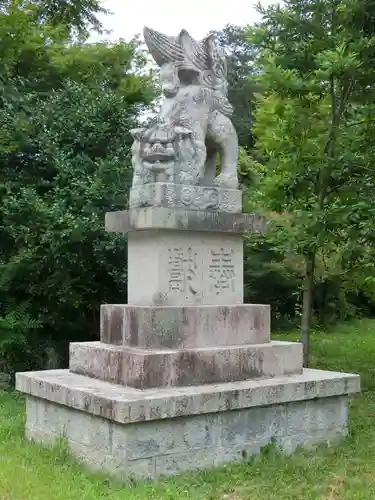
{"points": [[317, 81], [64, 162], [241, 67], [272, 278], [75, 18], [16, 326]]}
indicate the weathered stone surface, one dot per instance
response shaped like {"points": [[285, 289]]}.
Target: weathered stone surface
{"points": [[334, 414], [331, 437], [145, 369], [80, 427], [180, 196], [137, 219], [175, 445], [193, 126], [184, 327], [126, 405], [181, 268]]}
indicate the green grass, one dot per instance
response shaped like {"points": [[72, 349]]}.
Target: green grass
{"points": [[29, 472]]}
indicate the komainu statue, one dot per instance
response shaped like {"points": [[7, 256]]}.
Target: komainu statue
{"points": [[193, 125]]}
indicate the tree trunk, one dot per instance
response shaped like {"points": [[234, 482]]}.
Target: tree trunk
{"points": [[307, 299]]}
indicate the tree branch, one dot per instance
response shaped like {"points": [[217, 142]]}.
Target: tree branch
{"points": [[362, 122]]}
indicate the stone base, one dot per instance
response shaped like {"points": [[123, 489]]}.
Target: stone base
{"points": [[169, 195], [184, 327], [146, 369], [167, 431]]}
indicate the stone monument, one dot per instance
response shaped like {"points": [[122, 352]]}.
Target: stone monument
{"points": [[185, 375]]}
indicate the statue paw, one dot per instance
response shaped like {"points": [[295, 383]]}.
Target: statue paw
{"points": [[228, 181]]}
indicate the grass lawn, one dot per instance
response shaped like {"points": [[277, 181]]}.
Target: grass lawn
{"points": [[28, 472]]}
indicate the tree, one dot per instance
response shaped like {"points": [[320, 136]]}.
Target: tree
{"points": [[317, 74], [65, 113], [241, 67], [74, 17]]}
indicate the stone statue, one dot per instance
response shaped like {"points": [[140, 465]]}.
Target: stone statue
{"points": [[193, 125]]}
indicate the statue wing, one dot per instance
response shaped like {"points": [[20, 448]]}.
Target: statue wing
{"points": [[203, 55], [195, 51], [164, 49], [217, 57]]}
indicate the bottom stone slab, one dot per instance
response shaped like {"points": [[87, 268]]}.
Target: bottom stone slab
{"points": [[149, 433], [166, 447]]}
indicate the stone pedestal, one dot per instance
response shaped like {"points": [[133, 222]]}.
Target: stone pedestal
{"points": [[178, 268], [184, 257], [185, 375]]}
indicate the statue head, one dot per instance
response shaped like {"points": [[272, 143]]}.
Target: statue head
{"points": [[164, 150]]}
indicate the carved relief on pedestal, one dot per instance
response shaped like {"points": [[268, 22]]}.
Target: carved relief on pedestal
{"points": [[205, 199], [169, 195]]}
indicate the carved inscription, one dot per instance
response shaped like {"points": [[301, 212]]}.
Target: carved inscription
{"points": [[221, 270], [182, 270]]}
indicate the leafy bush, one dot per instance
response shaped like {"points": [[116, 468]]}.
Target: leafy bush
{"points": [[273, 276], [66, 108], [17, 327]]}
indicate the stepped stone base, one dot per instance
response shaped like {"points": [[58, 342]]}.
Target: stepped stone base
{"points": [[184, 327], [146, 369], [166, 431]]}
